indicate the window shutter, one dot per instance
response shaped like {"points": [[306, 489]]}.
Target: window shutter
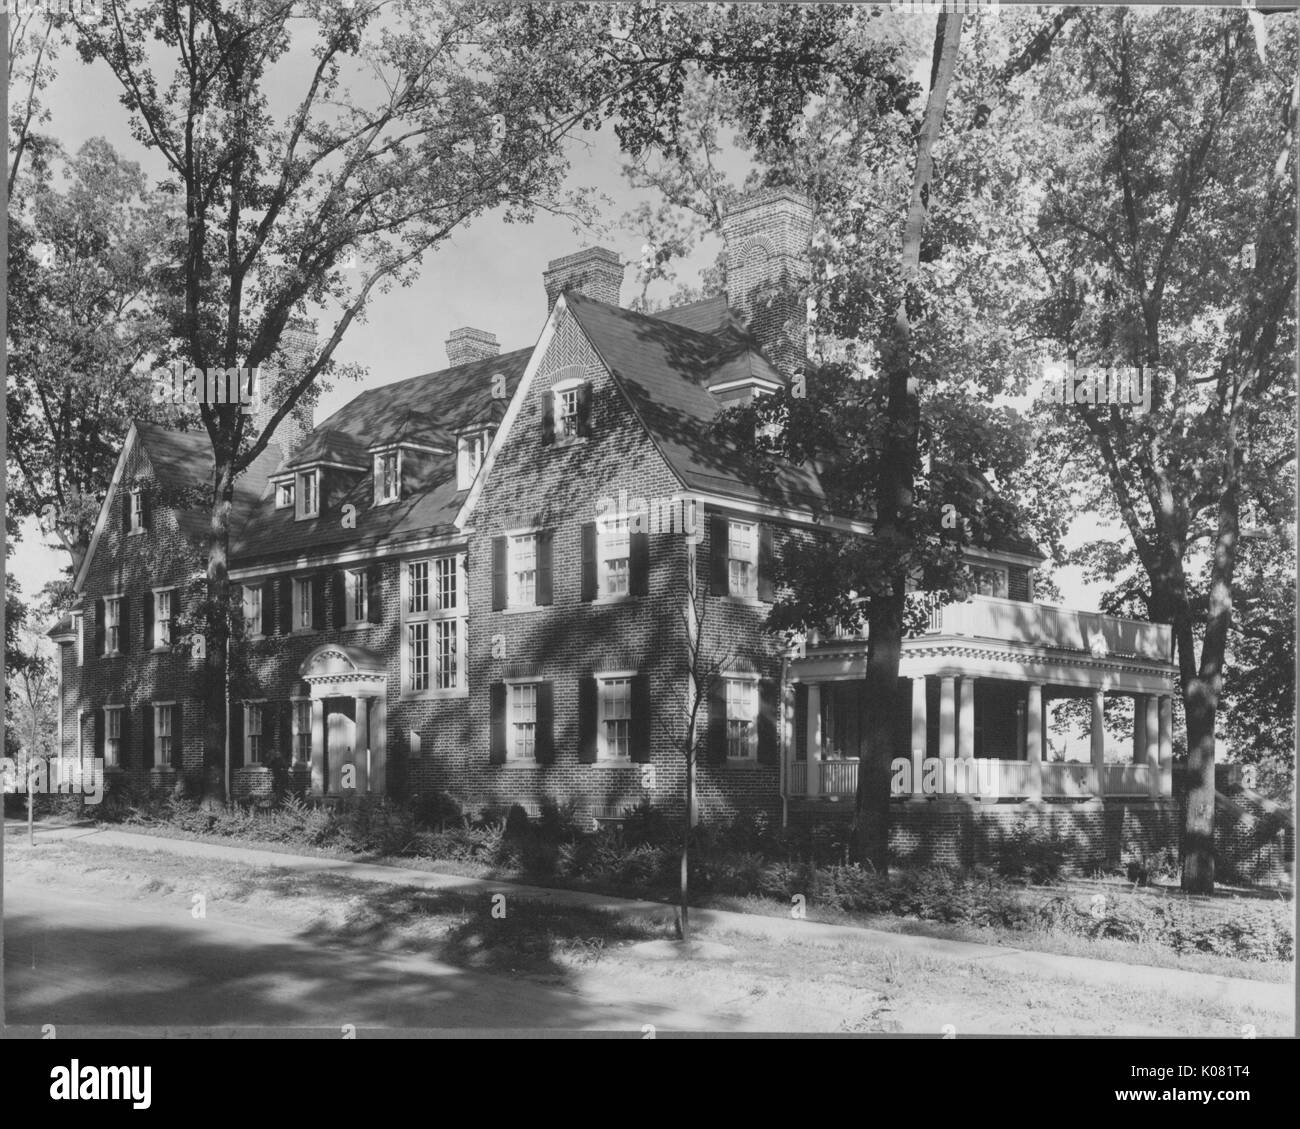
{"points": [[768, 746], [1018, 583], [178, 734], [101, 725], [268, 609], [584, 409], [548, 418], [587, 720], [498, 715], [124, 734], [146, 508], [545, 722], [340, 597], [236, 722], [639, 564], [498, 573], [101, 637], [284, 731], [717, 729], [589, 564], [766, 587], [126, 511], [374, 595], [124, 624], [146, 733], [718, 579], [146, 622], [545, 569], [318, 602], [286, 604], [640, 727]]}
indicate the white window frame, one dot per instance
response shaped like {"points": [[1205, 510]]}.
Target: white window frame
{"points": [[159, 756], [749, 683], [424, 583], [252, 601], [559, 390], [471, 450], [114, 760], [612, 532], [79, 627], [298, 731], [302, 603], [515, 690], [137, 511], [355, 590], [284, 495], [162, 627], [381, 461], [311, 480], [980, 569], [115, 602], [253, 710], [750, 558], [514, 588], [605, 682]]}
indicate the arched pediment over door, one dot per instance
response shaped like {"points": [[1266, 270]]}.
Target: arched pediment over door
{"points": [[342, 670]]}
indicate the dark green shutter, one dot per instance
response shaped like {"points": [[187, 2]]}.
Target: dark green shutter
{"points": [[178, 737], [545, 722], [126, 511], [545, 568], [548, 418], [584, 409], [236, 729], [641, 718], [146, 621], [146, 508], [100, 725], [589, 564], [124, 624], [639, 564], [268, 608], [497, 698], [374, 595], [286, 604], [124, 733], [146, 733], [499, 592], [717, 729], [587, 720], [768, 712], [766, 586], [101, 636], [718, 577], [340, 597], [318, 602], [1018, 583]]}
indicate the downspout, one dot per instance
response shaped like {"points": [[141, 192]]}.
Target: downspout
{"points": [[785, 751]]}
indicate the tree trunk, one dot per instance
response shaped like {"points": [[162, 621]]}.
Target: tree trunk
{"points": [[217, 631]]}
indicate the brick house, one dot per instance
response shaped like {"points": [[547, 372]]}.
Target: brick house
{"points": [[484, 580]]}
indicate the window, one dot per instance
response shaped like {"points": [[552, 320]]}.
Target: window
{"points": [[112, 625], [387, 477], [162, 732], [614, 555], [615, 716], [302, 615], [566, 413], [301, 730], [79, 627], [742, 559], [308, 494], [470, 452], [283, 495], [742, 718], [990, 581], [112, 736], [435, 625], [162, 617], [355, 609], [253, 608], [522, 730], [523, 570], [137, 510], [253, 732]]}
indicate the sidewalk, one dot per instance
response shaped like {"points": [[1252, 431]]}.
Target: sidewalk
{"points": [[1230, 991]]}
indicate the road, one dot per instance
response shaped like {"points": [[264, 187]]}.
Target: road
{"points": [[73, 958]]}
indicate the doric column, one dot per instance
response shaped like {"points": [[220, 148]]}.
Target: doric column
{"points": [[918, 736], [1034, 738], [1139, 728], [814, 723], [1151, 741], [318, 746], [361, 746], [1166, 744], [966, 737], [379, 746], [947, 717], [1097, 734]]}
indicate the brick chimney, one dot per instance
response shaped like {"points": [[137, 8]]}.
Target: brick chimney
{"points": [[596, 272], [767, 235], [467, 344], [297, 351]]}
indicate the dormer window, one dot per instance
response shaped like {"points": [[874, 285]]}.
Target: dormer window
{"points": [[308, 489], [283, 495], [388, 477], [137, 510], [471, 450]]}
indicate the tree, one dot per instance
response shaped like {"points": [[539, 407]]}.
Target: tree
{"points": [[1166, 246], [37, 718]]}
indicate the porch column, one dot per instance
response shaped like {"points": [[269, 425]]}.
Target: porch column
{"points": [[1034, 738], [379, 746], [1139, 728], [918, 736], [966, 740], [361, 749], [1166, 726], [814, 742], [318, 746], [1151, 741], [947, 717], [1097, 732]]}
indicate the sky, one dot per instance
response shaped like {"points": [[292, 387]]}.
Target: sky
{"points": [[488, 275]]}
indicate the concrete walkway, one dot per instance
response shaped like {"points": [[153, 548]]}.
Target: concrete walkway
{"points": [[1226, 990]]}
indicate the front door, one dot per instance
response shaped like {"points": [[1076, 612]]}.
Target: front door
{"points": [[340, 738]]}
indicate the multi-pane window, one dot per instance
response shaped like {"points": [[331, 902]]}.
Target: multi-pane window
{"points": [[523, 721], [162, 616], [355, 595], [112, 624], [435, 625], [112, 736], [162, 733], [470, 452], [566, 413], [613, 543], [615, 718], [308, 494], [387, 480], [283, 495], [79, 628], [253, 732], [302, 610], [523, 570], [253, 608], [742, 559], [742, 718], [301, 731], [137, 510], [990, 581]]}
